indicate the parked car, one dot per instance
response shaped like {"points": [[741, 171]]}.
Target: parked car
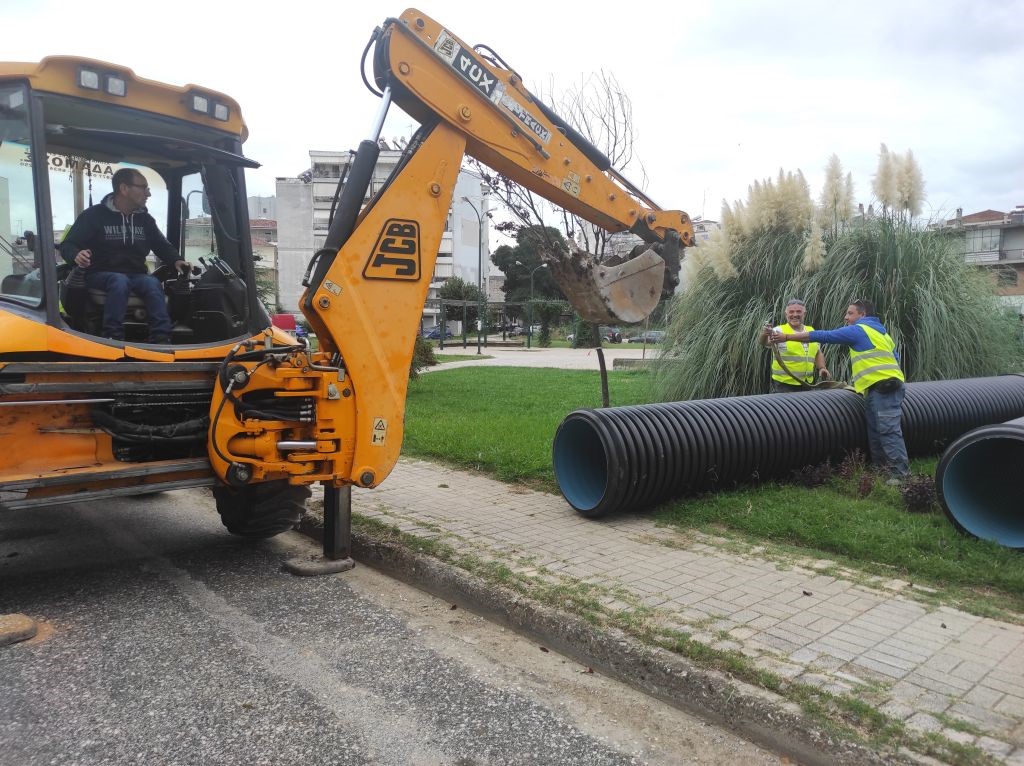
{"points": [[434, 333], [651, 336], [534, 330], [608, 334]]}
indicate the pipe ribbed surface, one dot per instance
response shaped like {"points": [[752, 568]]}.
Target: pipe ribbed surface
{"points": [[979, 483], [627, 458]]}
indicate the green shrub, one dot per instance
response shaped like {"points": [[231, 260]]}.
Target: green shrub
{"points": [[941, 311], [422, 356]]}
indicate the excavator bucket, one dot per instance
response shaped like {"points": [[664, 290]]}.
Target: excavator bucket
{"points": [[610, 291]]}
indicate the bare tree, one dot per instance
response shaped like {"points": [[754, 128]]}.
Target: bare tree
{"points": [[599, 108]]}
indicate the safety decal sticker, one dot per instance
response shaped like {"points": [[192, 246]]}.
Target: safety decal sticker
{"points": [[397, 252], [471, 69], [521, 113], [380, 432], [571, 184]]}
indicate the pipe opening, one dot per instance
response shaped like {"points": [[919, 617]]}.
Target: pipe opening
{"points": [[581, 466], [981, 489]]}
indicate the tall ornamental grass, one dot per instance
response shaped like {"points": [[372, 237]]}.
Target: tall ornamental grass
{"points": [[941, 311]]}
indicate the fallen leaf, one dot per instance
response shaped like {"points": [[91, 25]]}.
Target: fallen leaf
{"points": [[808, 593], [544, 649], [443, 486], [942, 624]]}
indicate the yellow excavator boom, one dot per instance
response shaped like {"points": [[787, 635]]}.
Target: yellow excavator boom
{"points": [[368, 283], [434, 75]]}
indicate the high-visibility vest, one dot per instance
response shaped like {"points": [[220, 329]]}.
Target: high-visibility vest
{"points": [[798, 355], [877, 363]]}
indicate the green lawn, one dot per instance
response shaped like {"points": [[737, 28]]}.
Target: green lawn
{"points": [[502, 421]]}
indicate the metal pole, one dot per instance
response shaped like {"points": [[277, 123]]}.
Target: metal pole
{"points": [[529, 306], [529, 314], [480, 328], [479, 270]]}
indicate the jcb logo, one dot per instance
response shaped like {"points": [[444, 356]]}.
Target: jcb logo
{"points": [[397, 252]]}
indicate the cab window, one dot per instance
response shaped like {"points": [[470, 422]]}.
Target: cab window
{"points": [[20, 273]]}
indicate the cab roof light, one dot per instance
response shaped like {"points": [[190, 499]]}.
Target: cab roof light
{"points": [[88, 79], [199, 103], [114, 85], [205, 104]]}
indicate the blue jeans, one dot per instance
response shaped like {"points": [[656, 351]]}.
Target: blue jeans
{"points": [[118, 287], [883, 410]]}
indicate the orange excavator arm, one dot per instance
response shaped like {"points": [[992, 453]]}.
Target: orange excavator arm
{"points": [[367, 285], [434, 75]]}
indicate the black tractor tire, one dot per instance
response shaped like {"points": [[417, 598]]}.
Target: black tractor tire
{"points": [[261, 510]]}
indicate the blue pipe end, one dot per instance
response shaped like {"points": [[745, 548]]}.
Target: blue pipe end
{"points": [[581, 465], [980, 486]]}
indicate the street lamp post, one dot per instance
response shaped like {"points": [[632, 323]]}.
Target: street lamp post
{"points": [[480, 269], [529, 306]]}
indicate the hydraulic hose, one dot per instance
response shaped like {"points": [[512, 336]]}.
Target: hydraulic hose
{"points": [[629, 458], [979, 485]]}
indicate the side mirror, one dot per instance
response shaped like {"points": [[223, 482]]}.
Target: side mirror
{"points": [[206, 203]]}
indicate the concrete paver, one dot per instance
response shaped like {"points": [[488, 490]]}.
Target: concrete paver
{"points": [[920, 662]]}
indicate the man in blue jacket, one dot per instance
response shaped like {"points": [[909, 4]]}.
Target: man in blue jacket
{"points": [[110, 242], [876, 375]]}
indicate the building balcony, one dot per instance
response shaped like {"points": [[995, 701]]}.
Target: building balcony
{"points": [[442, 271], [988, 257]]}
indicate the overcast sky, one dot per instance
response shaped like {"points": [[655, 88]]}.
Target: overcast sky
{"points": [[723, 92]]}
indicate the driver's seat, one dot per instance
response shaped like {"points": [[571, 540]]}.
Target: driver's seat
{"points": [[83, 309]]}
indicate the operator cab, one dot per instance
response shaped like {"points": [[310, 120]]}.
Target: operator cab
{"points": [[58, 154]]}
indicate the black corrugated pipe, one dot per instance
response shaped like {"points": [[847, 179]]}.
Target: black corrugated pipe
{"points": [[628, 458], [979, 483]]}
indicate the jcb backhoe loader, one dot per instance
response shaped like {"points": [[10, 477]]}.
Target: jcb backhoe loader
{"points": [[232, 403]]}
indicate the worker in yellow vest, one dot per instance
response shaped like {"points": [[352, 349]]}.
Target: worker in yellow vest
{"points": [[876, 375], [802, 358]]}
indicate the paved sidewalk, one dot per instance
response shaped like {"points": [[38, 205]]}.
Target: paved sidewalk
{"points": [[563, 358], [928, 666]]}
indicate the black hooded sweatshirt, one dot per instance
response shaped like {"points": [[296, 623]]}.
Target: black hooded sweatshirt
{"points": [[118, 242]]}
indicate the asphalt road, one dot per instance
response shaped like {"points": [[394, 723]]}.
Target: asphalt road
{"points": [[163, 640]]}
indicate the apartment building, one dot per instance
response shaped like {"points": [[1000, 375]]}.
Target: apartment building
{"points": [[304, 207], [995, 240]]}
